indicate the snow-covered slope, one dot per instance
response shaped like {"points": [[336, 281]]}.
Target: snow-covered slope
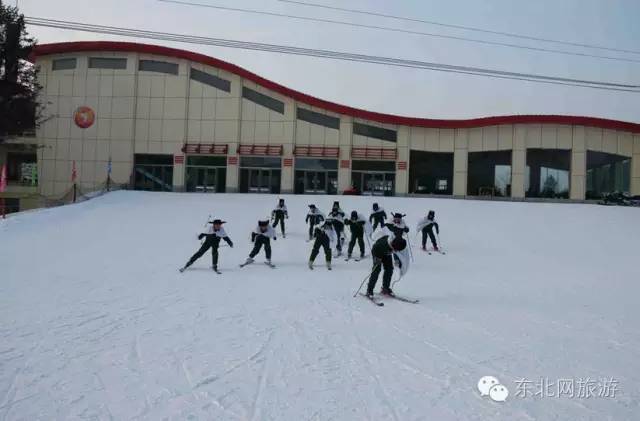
{"points": [[97, 323]]}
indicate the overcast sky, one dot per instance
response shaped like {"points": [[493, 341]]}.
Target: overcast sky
{"points": [[411, 92]]}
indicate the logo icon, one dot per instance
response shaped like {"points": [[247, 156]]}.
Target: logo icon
{"points": [[84, 117], [490, 386]]}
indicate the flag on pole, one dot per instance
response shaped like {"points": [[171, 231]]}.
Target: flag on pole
{"points": [[3, 178], [74, 173]]}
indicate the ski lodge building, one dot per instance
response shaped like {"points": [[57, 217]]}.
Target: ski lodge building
{"points": [[165, 119]]}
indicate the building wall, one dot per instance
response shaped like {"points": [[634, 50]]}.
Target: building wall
{"points": [[156, 113]]}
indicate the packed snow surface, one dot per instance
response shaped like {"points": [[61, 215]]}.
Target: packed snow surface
{"points": [[96, 322]]}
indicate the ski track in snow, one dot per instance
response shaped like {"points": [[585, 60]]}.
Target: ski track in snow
{"points": [[97, 323]]}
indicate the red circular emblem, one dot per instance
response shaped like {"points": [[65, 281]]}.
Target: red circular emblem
{"points": [[84, 117]]}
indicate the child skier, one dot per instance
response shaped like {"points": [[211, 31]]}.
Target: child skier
{"points": [[336, 217], [397, 226], [212, 241], [356, 224], [261, 236], [377, 217], [314, 217], [336, 207], [324, 236], [279, 214], [426, 225], [381, 252]]}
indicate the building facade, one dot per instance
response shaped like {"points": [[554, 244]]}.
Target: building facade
{"points": [[173, 120]]}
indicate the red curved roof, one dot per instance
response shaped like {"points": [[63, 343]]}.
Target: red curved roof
{"points": [[85, 46]]}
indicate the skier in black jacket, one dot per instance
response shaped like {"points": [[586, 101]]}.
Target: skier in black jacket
{"points": [[356, 224], [397, 225], [314, 217], [212, 241], [377, 217], [381, 251], [426, 226], [279, 214], [324, 235], [261, 236]]}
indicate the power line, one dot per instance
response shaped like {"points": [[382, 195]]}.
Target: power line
{"points": [[466, 28], [335, 55], [399, 30]]}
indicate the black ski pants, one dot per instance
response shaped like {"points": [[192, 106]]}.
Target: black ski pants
{"points": [[280, 219], [208, 244], [323, 242], [338, 227], [257, 245], [356, 237], [386, 263], [428, 231], [376, 222]]}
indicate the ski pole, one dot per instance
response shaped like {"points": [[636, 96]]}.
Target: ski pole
{"points": [[410, 251], [439, 241], [365, 279], [393, 285]]}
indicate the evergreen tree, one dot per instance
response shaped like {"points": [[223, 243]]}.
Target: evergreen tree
{"points": [[19, 110]]}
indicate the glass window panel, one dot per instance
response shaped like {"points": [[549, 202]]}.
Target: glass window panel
{"points": [[211, 80], [64, 64], [316, 164], [375, 132], [319, 119], [107, 63], [262, 99], [158, 67], [260, 162]]}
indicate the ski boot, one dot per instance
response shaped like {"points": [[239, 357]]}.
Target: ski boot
{"points": [[215, 269], [387, 291], [311, 264], [182, 269], [328, 265]]}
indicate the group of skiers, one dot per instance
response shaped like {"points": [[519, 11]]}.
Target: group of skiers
{"points": [[389, 242]]}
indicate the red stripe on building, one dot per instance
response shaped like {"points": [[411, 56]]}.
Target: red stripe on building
{"points": [[205, 148], [374, 153], [232, 160], [260, 150], [402, 165], [317, 151], [88, 46], [178, 159], [345, 163], [287, 162]]}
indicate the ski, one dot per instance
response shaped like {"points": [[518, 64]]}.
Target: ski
{"points": [[245, 264], [401, 298], [271, 265], [373, 300]]}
